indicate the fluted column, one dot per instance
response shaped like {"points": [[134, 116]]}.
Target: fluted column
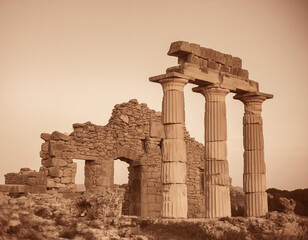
{"points": [[217, 180], [254, 179], [173, 172]]}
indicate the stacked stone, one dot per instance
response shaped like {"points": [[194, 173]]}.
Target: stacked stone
{"points": [[173, 175], [217, 180], [57, 160], [254, 178], [195, 177], [206, 58], [34, 181]]}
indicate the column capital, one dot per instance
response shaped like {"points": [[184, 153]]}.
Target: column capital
{"points": [[171, 81], [253, 101], [212, 92], [256, 97]]}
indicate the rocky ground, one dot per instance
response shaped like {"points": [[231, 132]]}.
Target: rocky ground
{"points": [[90, 216]]}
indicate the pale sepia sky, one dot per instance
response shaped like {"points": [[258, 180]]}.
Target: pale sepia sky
{"points": [[68, 61]]}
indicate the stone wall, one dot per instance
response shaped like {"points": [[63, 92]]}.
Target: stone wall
{"points": [[133, 134], [34, 181]]}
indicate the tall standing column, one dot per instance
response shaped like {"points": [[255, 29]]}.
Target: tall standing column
{"points": [[173, 172], [254, 180], [217, 180]]}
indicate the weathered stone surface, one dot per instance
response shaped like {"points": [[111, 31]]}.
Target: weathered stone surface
{"points": [[55, 162], [195, 49], [254, 165], [216, 150], [45, 136], [174, 201], [256, 204], [179, 49], [237, 62], [174, 131], [174, 150], [254, 182], [217, 202], [173, 172], [157, 130], [216, 167], [55, 172], [59, 136], [254, 162], [243, 73]]}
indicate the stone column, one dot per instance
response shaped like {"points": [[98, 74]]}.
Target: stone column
{"points": [[173, 172], [254, 165], [217, 180]]}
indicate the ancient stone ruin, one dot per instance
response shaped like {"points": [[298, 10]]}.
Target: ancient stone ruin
{"points": [[170, 174]]}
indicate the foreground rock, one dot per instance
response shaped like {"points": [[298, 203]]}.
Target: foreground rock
{"points": [[44, 216], [98, 216]]}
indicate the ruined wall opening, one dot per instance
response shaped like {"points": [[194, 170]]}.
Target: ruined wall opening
{"points": [[120, 172], [80, 175], [121, 178]]}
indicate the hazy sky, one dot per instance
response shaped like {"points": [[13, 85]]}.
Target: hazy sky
{"points": [[68, 61]]}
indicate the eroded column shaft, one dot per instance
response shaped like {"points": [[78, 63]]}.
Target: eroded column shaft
{"points": [[217, 180], [254, 179], [173, 174]]}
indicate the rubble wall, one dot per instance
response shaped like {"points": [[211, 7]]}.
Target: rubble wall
{"points": [[133, 134]]}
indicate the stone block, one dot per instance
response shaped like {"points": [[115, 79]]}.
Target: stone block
{"points": [[157, 130], [219, 57], [243, 73], [173, 172], [174, 131], [217, 201], [193, 59], [45, 136], [12, 188], [254, 182], [45, 147], [124, 118], [59, 136], [229, 60], [218, 179], [235, 71], [44, 155], [196, 50], [174, 201], [212, 64], [174, 150], [173, 107], [206, 53], [50, 183], [253, 137], [237, 62], [179, 48], [254, 162], [66, 180], [225, 68], [55, 162], [256, 204], [57, 148], [55, 172], [252, 119], [216, 150], [67, 172]]}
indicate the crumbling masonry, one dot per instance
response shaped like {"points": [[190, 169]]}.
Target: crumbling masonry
{"points": [[170, 174]]}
